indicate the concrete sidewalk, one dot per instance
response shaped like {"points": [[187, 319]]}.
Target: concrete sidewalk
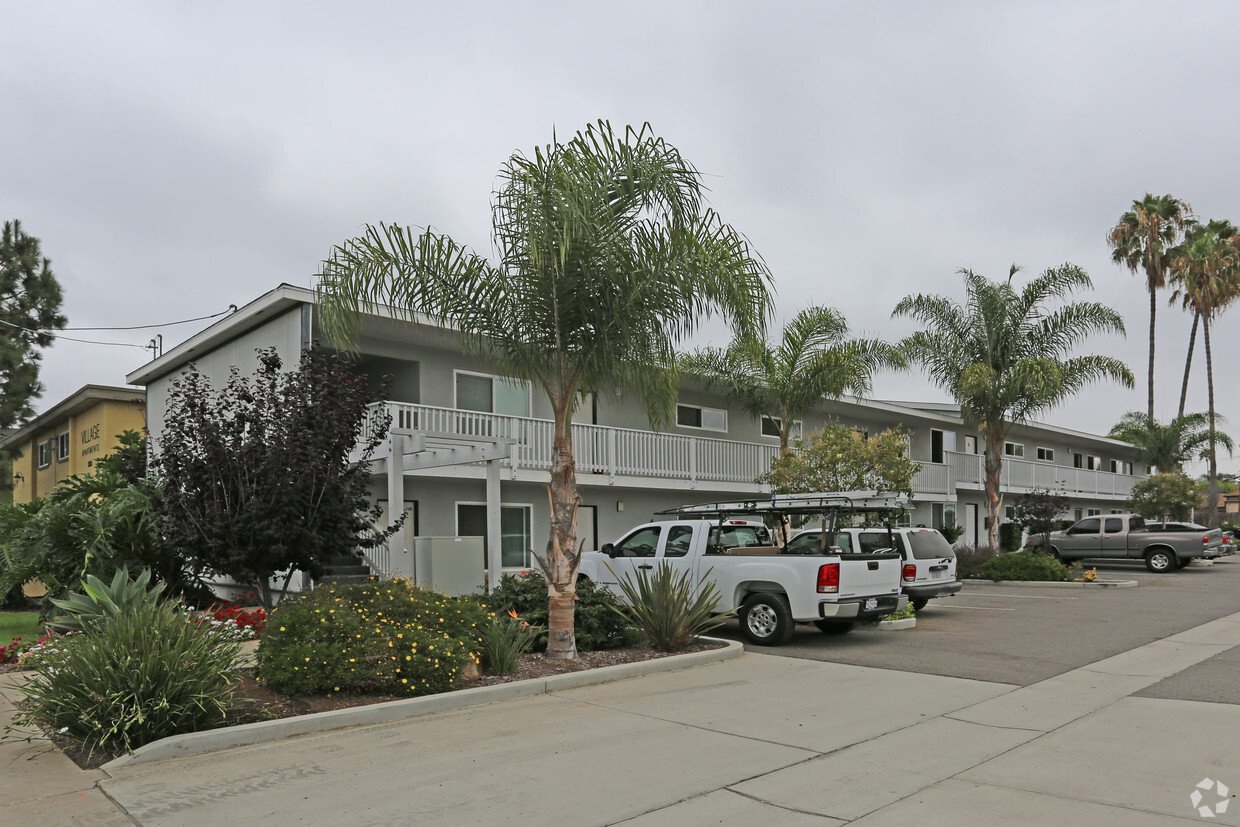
{"points": [[760, 739]]}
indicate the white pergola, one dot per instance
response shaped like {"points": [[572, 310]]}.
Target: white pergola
{"points": [[410, 451]]}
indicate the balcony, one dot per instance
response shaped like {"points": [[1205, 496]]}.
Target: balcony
{"points": [[624, 452]]}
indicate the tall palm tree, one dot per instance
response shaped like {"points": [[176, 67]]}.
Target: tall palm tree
{"points": [[1224, 231], [813, 361], [1207, 266], [606, 258], [1004, 355], [1169, 446], [1143, 240]]}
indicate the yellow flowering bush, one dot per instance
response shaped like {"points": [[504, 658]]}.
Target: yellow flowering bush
{"points": [[372, 638]]}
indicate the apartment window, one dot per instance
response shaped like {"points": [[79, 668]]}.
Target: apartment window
{"points": [[1117, 511], [1009, 512], [1046, 454], [1088, 463], [1113, 466], [62, 447], [1128, 468], [514, 530], [492, 394], [941, 441], [1093, 512], [770, 427], [1013, 449], [708, 419], [45, 453]]}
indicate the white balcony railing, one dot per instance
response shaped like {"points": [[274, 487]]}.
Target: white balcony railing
{"points": [[612, 452]]}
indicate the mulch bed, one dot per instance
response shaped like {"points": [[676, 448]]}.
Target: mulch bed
{"points": [[260, 703]]}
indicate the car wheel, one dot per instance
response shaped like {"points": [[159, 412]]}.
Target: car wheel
{"points": [[1160, 560], [919, 603], [835, 627], [766, 619]]}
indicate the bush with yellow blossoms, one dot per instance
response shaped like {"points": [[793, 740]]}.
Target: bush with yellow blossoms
{"points": [[386, 637]]}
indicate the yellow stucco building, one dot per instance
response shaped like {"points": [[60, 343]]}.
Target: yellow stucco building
{"points": [[71, 436]]}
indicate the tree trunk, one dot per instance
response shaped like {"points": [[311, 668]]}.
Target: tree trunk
{"points": [[994, 498], [1188, 363], [1153, 313], [562, 559], [1212, 459]]}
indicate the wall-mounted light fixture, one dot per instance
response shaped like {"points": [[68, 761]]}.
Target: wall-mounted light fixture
{"points": [[19, 478]]}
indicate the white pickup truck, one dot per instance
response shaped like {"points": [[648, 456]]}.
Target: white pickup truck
{"points": [[771, 591]]}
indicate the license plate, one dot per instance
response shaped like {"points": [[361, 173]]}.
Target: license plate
{"points": [[871, 603], [937, 575]]}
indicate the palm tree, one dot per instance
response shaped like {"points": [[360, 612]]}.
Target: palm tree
{"points": [[1169, 446], [1143, 240], [813, 361], [1224, 231], [606, 258], [1004, 355], [1207, 265]]}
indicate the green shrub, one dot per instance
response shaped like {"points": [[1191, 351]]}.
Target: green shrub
{"points": [[149, 673], [505, 639], [103, 602], [1024, 565], [376, 638], [1009, 536], [970, 559], [663, 607], [903, 614], [595, 622]]}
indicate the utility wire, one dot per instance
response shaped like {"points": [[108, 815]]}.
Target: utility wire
{"points": [[232, 308]]}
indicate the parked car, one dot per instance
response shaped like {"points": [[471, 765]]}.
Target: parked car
{"points": [[929, 562], [774, 590], [1126, 536]]}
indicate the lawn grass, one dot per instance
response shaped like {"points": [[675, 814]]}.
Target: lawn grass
{"points": [[19, 624]]}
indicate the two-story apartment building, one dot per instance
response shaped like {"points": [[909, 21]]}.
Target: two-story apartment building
{"points": [[472, 447], [70, 436]]}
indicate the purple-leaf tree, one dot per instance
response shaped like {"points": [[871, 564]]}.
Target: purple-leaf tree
{"points": [[256, 475]]}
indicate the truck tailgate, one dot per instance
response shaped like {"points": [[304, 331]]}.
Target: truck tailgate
{"points": [[866, 575]]}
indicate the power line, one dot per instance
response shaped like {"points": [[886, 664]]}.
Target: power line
{"points": [[232, 308], [151, 346]]}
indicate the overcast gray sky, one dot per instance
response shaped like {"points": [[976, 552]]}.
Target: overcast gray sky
{"points": [[176, 158]]}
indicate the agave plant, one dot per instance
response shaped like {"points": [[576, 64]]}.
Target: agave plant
{"points": [[103, 603], [665, 609]]}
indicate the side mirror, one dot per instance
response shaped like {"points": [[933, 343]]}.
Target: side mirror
{"points": [[609, 549]]}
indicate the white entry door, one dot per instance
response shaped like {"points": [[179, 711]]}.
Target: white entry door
{"points": [[970, 524]]}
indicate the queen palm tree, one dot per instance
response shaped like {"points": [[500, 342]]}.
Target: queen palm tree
{"points": [[813, 361], [1143, 240], [1169, 446], [1004, 355], [606, 258], [1207, 265]]}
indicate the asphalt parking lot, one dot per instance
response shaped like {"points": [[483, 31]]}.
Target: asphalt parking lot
{"points": [[1022, 635]]}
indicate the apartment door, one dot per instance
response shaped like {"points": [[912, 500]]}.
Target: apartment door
{"points": [[970, 520], [970, 445]]}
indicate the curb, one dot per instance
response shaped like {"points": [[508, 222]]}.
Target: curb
{"points": [[196, 743], [897, 625], [1056, 584]]}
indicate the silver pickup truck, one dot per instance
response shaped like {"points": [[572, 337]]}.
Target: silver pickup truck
{"points": [[1125, 536]]}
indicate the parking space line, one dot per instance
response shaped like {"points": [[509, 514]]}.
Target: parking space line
{"points": [[1015, 596], [979, 608]]}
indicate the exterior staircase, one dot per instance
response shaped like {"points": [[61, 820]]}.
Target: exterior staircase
{"points": [[346, 568]]}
